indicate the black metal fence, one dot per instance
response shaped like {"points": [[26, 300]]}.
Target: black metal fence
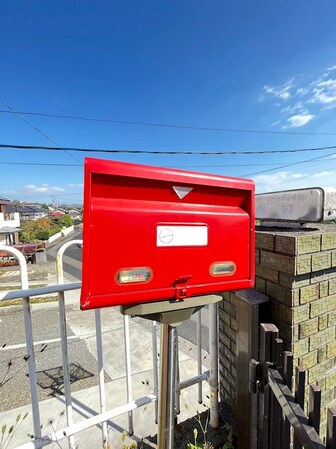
{"points": [[281, 422]]}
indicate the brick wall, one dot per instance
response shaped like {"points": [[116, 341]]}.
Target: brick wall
{"points": [[297, 271]]}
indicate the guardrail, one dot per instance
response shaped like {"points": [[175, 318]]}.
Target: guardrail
{"points": [[71, 429]]}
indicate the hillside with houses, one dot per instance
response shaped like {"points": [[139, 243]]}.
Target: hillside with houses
{"points": [[29, 227]]}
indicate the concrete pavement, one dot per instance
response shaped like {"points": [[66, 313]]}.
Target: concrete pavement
{"points": [[86, 401]]}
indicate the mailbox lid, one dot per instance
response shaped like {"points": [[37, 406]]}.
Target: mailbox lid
{"points": [[125, 220]]}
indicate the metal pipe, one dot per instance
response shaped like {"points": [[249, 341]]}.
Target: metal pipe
{"points": [[86, 424], [18, 294], [59, 261], [167, 388], [101, 374], [29, 339], [155, 367], [193, 380], [213, 350], [128, 372], [177, 375], [199, 354], [64, 339]]}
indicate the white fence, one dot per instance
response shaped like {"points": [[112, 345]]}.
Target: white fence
{"points": [[101, 419], [64, 232]]}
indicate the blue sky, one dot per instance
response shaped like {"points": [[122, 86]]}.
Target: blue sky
{"points": [[266, 65]]}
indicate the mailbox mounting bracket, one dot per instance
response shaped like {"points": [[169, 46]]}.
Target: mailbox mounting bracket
{"points": [[172, 312]]}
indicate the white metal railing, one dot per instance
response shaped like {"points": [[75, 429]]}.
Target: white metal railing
{"points": [[104, 415]]}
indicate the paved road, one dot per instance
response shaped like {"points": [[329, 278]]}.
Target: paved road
{"points": [[14, 380], [72, 258]]}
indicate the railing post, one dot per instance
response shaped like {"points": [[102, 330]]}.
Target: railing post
{"points": [[128, 372], [29, 339], [101, 374], [64, 337]]}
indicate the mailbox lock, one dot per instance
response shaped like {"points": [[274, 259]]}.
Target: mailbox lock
{"points": [[180, 286]]}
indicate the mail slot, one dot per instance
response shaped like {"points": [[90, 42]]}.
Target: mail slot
{"points": [[154, 234]]}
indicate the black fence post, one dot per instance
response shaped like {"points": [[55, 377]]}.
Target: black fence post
{"points": [[287, 374], [275, 411], [314, 413], [331, 429], [268, 332], [288, 369], [300, 379]]}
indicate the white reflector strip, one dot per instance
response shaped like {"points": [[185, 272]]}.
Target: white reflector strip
{"points": [[181, 235], [223, 268], [132, 275]]}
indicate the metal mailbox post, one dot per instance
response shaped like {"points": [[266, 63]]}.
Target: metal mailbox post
{"points": [[155, 240]]}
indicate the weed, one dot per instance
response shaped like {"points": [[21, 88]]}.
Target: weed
{"points": [[132, 445], [229, 436], [8, 433]]}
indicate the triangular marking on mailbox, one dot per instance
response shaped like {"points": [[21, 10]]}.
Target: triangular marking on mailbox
{"points": [[181, 192]]}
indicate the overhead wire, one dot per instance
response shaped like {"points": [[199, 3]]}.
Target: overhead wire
{"points": [[175, 152], [13, 111], [288, 165], [175, 166], [169, 125]]}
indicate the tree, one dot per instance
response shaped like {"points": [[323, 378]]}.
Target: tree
{"points": [[35, 230], [67, 220]]}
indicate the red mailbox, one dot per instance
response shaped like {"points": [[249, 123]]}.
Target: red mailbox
{"points": [[153, 233]]}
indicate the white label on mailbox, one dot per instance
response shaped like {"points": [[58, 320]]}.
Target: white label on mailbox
{"points": [[167, 235]]}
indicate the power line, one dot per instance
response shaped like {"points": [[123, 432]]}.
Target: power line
{"points": [[13, 111], [182, 152], [170, 125], [175, 166], [37, 194], [41, 164], [288, 165]]}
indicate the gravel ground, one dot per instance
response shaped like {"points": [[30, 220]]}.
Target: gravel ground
{"points": [[14, 380]]}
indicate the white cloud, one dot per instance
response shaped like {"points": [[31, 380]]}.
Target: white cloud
{"points": [[76, 185], [293, 108], [298, 120], [45, 188], [324, 92], [282, 92], [319, 93], [272, 182]]}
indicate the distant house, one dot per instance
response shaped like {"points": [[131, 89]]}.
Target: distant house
{"points": [[57, 213], [9, 223], [29, 212], [75, 214]]}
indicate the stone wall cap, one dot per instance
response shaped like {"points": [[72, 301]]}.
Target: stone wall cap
{"points": [[309, 229], [251, 296]]}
